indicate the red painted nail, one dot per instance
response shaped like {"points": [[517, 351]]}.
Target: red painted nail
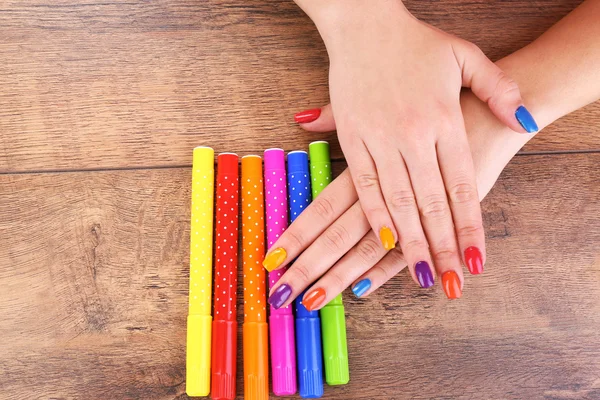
{"points": [[307, 116], [474, 260]]}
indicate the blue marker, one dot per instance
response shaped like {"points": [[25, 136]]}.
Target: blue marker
{"points": [[308, 324]]}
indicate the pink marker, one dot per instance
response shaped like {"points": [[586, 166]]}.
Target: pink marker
{"points": [[281, 321]]}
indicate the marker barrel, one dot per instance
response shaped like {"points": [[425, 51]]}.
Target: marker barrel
{"points": [[198, 340], [255, 328], [308, 323], [224, 343], [333, 321], [281, 322]]}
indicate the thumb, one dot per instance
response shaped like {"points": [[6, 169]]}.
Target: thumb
{"points": [[317, 119], [488, 82]]}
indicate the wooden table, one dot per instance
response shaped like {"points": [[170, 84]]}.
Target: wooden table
{"points": [[101, 104]]}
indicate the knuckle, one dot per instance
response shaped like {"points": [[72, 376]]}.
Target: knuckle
{"points": [[397, 260], [444, 253], [401, 200], [383, 272], [295, 238], [504, 85], [470, 230], [368, 250], [367, 181], [435, 207], [323, 207], [462, 193], [411, 244], [335, 237], [337, 281], [302, 273]]}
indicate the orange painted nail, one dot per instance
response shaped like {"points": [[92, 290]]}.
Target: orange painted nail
{"points": [[313, 299], [387, 238], [451, 285]]}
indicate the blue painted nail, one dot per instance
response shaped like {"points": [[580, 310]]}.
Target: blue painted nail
{"points": [[526, 119], [361, 287]]}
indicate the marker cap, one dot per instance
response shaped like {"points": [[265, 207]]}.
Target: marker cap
{"points": [[224, 366], [283, 354], [199, 330], [256, 361], [335, 350]]}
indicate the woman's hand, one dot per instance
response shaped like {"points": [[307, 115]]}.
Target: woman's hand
{"points": [[395, 84], [332, 238]]}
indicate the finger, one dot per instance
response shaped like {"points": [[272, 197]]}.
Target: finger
{"points": [[401, 203], [436, 218], [457, 169], [380, 273], [366, 181], [492, 85], [329, 247], [356, 262], [333, 201], [316, 119]]}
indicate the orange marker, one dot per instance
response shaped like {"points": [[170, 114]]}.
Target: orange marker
{"points": [[255, 330]]}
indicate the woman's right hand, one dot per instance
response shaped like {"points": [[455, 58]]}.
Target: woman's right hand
{"points": [[334, 233]]}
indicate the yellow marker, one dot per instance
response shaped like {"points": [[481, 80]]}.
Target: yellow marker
{"points": [[199, 320]]}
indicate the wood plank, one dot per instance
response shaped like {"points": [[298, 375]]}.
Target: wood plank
{"points": [[93, 299], [116, 84]]}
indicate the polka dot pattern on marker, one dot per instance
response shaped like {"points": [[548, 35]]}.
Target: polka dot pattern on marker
{"points": [[276, 209], [226, 242], [201, 232], [253, 241]]}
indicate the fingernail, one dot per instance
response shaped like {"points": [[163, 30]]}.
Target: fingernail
{"points": [[274, 259], [361, 287], [280, 295], [387, 238], [474, 260], [526, 119], [307, 116], [451, 285], [313, 299], [424, 275]]}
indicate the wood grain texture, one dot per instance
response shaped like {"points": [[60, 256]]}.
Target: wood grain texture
{"points": [[113, 84], [94, 278]]}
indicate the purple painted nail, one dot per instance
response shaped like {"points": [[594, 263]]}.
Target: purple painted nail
{"points": [[424, 274], [280, 295]]}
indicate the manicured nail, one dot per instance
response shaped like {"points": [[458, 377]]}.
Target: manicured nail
{"points": [[424, 275], [274, 259], [387, 238], [474, 260], [361, 287], [307, 116], [313, 299], [280, 295], [451, 285], [526, 119]]}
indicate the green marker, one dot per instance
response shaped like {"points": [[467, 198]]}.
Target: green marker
{"points": [[333, 320]]}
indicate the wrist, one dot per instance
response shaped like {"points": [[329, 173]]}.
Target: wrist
{"points": [[339, 20], [538, 92]]}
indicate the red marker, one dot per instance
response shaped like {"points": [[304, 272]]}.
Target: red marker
{"points": [[226, 255]]}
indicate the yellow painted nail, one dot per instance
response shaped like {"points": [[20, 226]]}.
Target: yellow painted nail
{"points": [[387, 238], [274, 259]]}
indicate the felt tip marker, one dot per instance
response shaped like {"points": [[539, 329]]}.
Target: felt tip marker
{"points": [[224, 341], [281, 321], [199, 320], [255, 328], [308, 323], [333, 320]]}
